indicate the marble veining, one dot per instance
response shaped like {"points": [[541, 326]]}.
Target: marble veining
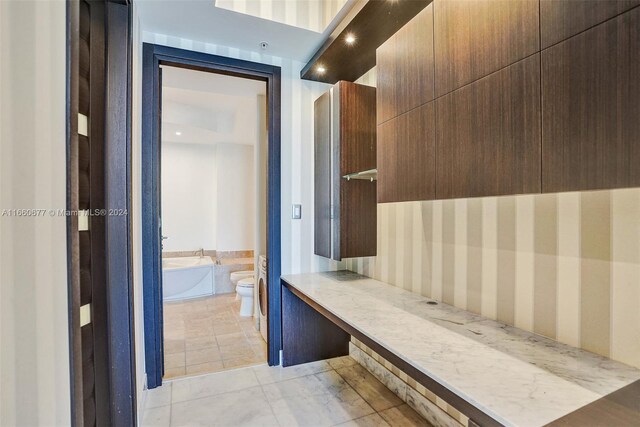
{"points": [[516, 377]]}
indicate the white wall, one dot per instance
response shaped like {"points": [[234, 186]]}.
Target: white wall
{"points": [[34, 344], [189, 177], [235, 205]]}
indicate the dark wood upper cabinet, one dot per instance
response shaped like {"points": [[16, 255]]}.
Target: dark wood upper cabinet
{"points": [[405, 68], [406, 156], [591, 108], [475, 38], [355, 122], [560, 20], [488, 135], [345, 143]]}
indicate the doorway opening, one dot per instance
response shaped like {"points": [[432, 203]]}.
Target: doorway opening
{"points": [[211, 213], [213, 219]]}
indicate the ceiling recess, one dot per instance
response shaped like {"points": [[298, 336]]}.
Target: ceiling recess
{"points": [[370, 23]]}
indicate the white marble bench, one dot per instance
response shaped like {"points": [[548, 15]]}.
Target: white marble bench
{"points": [[495, 374]]}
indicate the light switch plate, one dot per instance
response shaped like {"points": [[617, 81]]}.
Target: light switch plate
{"points": [[296, 212]]}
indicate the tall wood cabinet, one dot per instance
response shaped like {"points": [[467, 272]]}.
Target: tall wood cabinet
{"points": [[485, 98], [345, 148]]}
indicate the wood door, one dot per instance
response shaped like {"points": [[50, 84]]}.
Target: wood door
{"points": [[560, 20], [406, 156], [590, 108], [488, 135], [322, 175], [92, 391], [405, 68], [475, 38]]}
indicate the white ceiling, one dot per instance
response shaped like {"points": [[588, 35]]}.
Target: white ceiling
{"points": [[202, 21], [208, 108]]}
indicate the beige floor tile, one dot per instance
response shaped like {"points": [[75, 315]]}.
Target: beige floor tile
{"points": [[226, 328], [243, 361], [203, 368], [174, 345], [174, 360], [203, 355], [159, 396], [231, 339], [174, 372], [197, 343], [242, 349]]}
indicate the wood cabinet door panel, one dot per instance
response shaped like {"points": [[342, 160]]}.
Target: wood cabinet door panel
{"points": [[591, 108], [475, 38], [406, 156], [488, 135], [560, 20], [405, 68]]}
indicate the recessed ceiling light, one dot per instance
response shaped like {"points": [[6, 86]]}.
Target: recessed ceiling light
{"points": [[350, 38], [178, 133], [321, 69]]}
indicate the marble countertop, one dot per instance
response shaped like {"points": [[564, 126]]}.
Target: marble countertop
{"points": [[517, 377]]}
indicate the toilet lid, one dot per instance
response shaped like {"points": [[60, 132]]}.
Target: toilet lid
{"points": [[246, 283]]}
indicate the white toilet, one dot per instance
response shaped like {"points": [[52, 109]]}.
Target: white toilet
{"points": [[239, 275], [244, 290]]}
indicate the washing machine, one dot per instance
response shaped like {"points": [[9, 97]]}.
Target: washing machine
{"points": [[262, 295]]}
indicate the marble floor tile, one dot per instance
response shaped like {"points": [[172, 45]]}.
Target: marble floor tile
{"points": [[312, 394], [212, 384], [373, 391], [159, 396], [157, 417], [373, 420], [271, 374], [342, 362], [403, 416], [247, 407]]}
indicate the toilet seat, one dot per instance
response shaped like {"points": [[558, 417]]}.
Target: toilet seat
{"points": [[248, 282]]}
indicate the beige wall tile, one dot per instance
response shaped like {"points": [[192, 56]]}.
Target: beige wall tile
{"points": [[436, 281], [427, 248], [460, 254], [417, 247], [545, 267], [490, 257], [448, 250], [595, 306], [506, 274], [625, 313], [474, 255], [524, 262], [568, 290]]}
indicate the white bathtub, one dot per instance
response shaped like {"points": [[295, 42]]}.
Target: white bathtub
{"points": [[187, 277]]}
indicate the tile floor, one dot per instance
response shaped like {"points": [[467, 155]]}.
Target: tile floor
{"points": [[326, 393], [207, 335]]}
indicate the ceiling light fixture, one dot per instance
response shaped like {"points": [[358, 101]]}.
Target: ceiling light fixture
{"points": [[350, 38], [321, 69], [178, 133]]}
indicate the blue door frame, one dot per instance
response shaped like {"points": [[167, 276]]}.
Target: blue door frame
{"points": [[153, 57]]}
